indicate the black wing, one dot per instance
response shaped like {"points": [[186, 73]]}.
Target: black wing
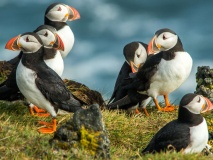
{"points": [[173, 134], [54, 90], [142, 79], [119, 92]]}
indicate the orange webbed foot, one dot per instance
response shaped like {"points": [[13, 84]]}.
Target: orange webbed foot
{"points": [[50, 127], [168, 109]]}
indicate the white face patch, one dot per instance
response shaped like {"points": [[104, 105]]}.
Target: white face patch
{"points": [[29, 44], [58, 13], [140, 55], [195, 106], [46, 36], [167, 40]]}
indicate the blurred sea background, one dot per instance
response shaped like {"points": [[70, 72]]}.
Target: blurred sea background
{"points": [[106, 26]]}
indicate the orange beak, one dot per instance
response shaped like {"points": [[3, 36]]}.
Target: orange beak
{"points": [[58, 45], [12, 44], [208, 106], [152, 48], [133, 67], [74, 14]]}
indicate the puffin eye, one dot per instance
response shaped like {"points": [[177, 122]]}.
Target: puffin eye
{"points": [[138, 55], [27, 39], [164, 37], [46, 34], [199, 100], [59, 9]]}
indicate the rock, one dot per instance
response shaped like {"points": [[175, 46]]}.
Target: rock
{"points": [[204, 79], [5, 69], [86, 130], [84, 94]]}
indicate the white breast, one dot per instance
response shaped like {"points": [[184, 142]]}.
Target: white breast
{"points": [[198, 138], [56, 63], [25, 79], [67, 37], [170, 75]]}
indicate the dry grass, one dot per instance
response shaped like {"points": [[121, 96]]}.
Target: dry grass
{"points": [[19, 138]]}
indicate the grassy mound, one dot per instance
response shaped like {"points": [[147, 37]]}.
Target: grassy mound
{"points": [[128, 134]]}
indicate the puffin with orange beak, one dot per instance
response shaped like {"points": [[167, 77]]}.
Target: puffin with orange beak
{"points": [[39, 83], [188, 133], [56, 15], [135, 54], [165, 71]]}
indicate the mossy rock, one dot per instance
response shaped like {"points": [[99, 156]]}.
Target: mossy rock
{"points": [[85, 130], [84, 94], [5, 69]]}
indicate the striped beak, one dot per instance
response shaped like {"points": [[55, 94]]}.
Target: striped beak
{"points": [[58, 44], [208, 106], [13, 44], [134, 67], [152, 47], [73, 14]]}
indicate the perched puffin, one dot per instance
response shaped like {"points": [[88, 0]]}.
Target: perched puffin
{"points": [[52, 58], [39, 83], [56, 15], [165, 71], [188, 133], [135, 54]]}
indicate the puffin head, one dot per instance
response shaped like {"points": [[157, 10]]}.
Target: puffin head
{"points": [[60, 12], [163, 40], [195, 104], [135, 54], [49, 37], [29, 42]]}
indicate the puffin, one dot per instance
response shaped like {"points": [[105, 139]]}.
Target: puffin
{"points": [[38, 82], [165, 71], [52, 58], [188, 133], [56, 15], [135, 54]]}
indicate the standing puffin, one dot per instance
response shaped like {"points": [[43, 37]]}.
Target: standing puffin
{"points": [[52, 58], [164, 72], [135, 54], [188, 133], [39, 83], [56, 15]]}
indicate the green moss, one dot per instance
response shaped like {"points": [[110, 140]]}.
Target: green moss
{"points": [[89, 140]]}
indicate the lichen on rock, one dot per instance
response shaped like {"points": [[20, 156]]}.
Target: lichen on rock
{"points": [[204, 79], [85, 130]]}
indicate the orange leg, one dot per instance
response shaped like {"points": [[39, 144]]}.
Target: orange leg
{"points": [[145, 111], [38, 110], [168, 106], [51, 127], [137, 111], [166, 109], [31, 111]]}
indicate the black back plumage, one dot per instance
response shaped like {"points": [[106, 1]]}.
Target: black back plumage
{"points": [[122, 98], [49, 83]]}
